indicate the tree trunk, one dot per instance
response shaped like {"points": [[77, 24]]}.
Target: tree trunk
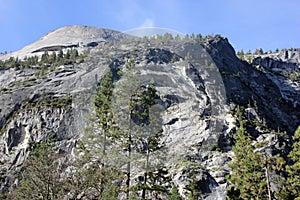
{"points": [[128, 170], [145, 175], [103, 164], [129, 158], [268, 180]]}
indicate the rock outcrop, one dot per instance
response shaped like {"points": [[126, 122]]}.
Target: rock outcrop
{"points": [[276, 95]]}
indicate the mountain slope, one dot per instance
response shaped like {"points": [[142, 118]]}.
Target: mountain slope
{"points": [[199, 83], [69, 36]]}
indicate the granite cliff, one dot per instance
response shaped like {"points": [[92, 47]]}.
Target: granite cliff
{"points": [[199, 83]]}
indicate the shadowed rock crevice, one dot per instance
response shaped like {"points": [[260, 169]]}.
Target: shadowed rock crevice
{"points": [[55, 48]]}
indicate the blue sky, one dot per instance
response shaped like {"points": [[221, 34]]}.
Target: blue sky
{"points": [[251, 24]]}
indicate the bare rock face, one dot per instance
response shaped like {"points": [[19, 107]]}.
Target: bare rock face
{"points": [[68, 37], [198, 83], [267, 82], [283, 70]]}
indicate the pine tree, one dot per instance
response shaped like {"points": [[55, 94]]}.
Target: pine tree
{"points": [[68, 54], [74, 55], [199, 37], [40, 178], [127, 133], [177, 38], [108, 136], [45, 57], [123, 117], [103, 107], [174, 194], [60, 56], [294, 169], [92, 179], [52, 58], [168, 37], [140, 132], [241, 54], [258, 51], [98, 170], [254, 170], [248, 179], [148, 114]]}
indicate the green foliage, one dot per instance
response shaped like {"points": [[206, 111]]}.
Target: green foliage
{"points": [[3, 130], [92, 179], [48, 100], [193, 171], [259, 51], [108, 134], [45, 58], [10, 63], [103, 102], [194, 189], [98, 174], [168, 38], [147, 117], [293, 75], [252, 169], [241, 54], [46, 61], [175, 194], [102, 142], [121, 138], [60, 55], [294, 169], [40, 178], [247, 177]]}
